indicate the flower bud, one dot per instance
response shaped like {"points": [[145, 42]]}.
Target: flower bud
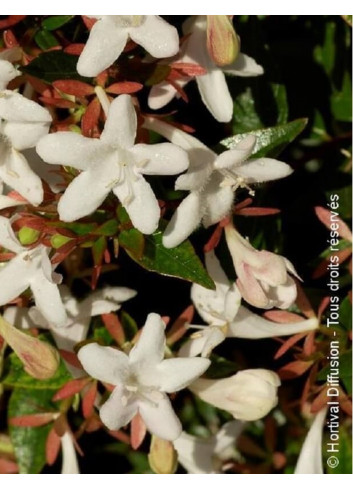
{"points": [[263, 278], [28, 236], [222, 40], [40, 360], [248, 395], [162, 458]]}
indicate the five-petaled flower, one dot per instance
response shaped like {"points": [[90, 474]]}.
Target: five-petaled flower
{"points": [[142, 380], [110, 33], [212, 85], [114, 163], [30, 268], [212, 180]]}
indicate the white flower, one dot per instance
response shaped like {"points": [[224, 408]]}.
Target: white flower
{"points": [[69, 457], [226, 318], [212, 85], [79, 316], [7, 71], [30, 268], [114, 163], [142, 379], [110, 33], [310, 457], [248, 395], [205, 456], [22, 123], [212, 180], [263, 277], [7, 201]]}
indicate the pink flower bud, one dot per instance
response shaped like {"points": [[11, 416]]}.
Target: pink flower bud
{"points": [[263, 278], [248, 395], [40, 360], [222, 41]]}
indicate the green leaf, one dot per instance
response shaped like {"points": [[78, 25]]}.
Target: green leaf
{"points": [[129, 325], [149, 252], [341, 101], [345, 371], [345, 313], [52, 23], [29, 442], [109, 228], [54, 65], [98, 250], [45, 39], [220, 367], [270, 141], [17, 377]]}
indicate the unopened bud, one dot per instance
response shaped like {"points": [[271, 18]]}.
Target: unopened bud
{"points": [[40, 360], [248, 395], [58, 240], [28, 236], [163, 458], [222, 41]]}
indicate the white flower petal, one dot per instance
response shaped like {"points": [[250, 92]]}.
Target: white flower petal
{"points": [[70, 463], [160, 419], [227, 436], [104, 363], [161, 94], [174, 374], [184, 220], [215, 94], [50, 174], [263, 170], [310, 458], [105, 300], [160, 159], [16, 275], [195, 454], [48, 300], [233, 157], [218, 200], [14, 107], [115, 413], [19, 317], [121, 124], [17, 174], [105, 44], [243, 66], [7, 73], [159, 38], [72, 149], [138, 198], [85, 193], [210, 337], [7, 237], [25, 135], [6, 202], [151, 344], [249, 325]]}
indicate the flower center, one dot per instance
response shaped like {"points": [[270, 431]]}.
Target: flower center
{"points": [[133, 389], [231, 179]]}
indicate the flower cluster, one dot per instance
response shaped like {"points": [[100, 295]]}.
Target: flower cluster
{"points": [[90, 175]]}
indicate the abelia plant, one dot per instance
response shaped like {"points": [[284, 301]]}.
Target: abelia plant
{"points": [[156, 297]]}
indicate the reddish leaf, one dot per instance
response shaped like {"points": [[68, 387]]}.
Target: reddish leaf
{"points": [[95, 276], [88, 400], [303, 302], [89, 22], [138, 431], [294, 369], [10, 39], [323, 305], [120, 435], [11, 20], [74, 87], [283, 316], [178, 328], [52, 446], [257, 211], [309, 345], [75, 49], [328, 218], [242, 204], [189, 69], [71, 388], [178, 88], [71, 358], [90, 118], [32, 420], [58, 102], [124, 87], [289, 344], [8, 466], [320, 401], [63, 251], [114, 327]]}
